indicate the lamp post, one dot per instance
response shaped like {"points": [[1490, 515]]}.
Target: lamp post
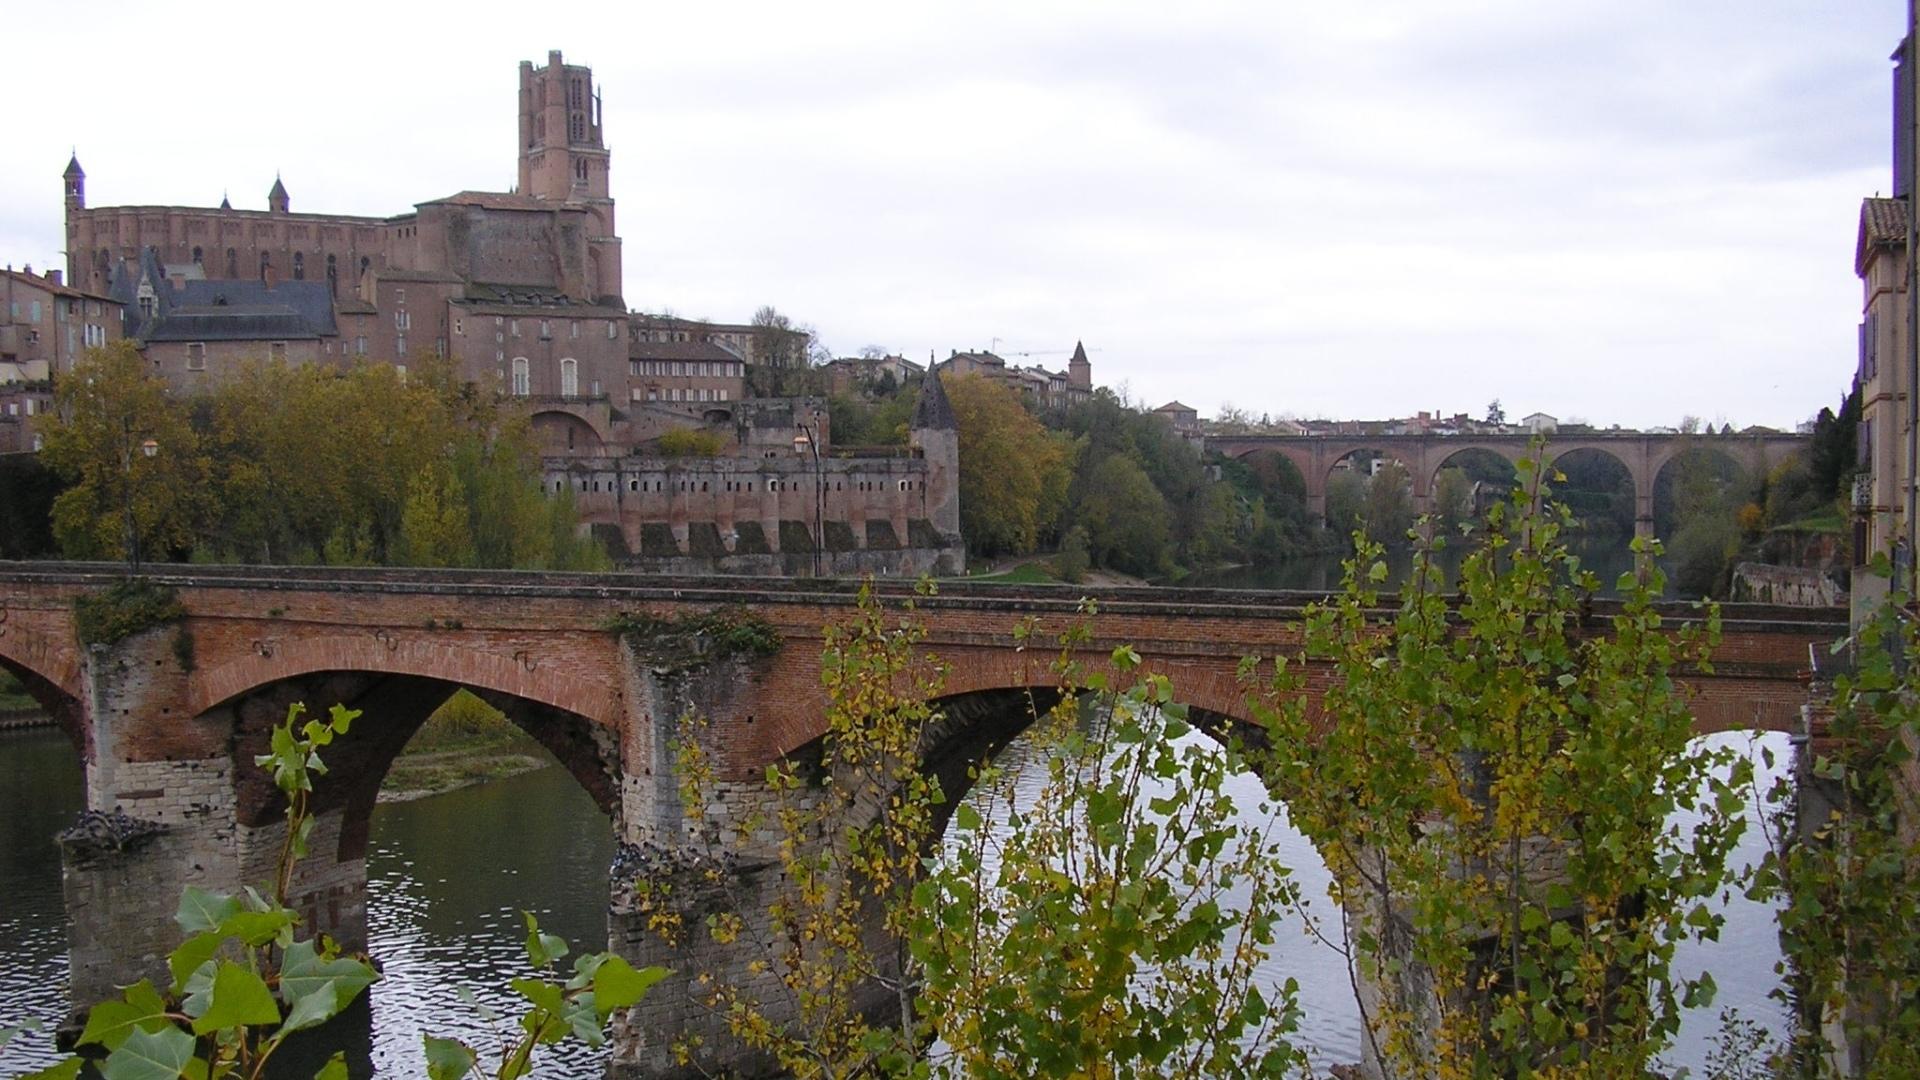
{"points": [[801, 444], [148, 449]]}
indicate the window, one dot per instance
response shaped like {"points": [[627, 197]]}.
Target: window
{"points": [[197, 260], [653, 393], [34, 308], [266, 264], [546, 330], [402, 321], [399, 296], [333, 277], [39, 442], [277, 350], [612, 331], [299, 266], [569, 378], [400, 345], [233, 263], [522, 380], [146, 307], [440, 347], [401, 370], [360, 346], [196, 356], [723, 395], [459, 328], [573, 328], [513, 327]]}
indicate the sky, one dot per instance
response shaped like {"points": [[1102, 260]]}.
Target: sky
{"points": [[1620, 211]]}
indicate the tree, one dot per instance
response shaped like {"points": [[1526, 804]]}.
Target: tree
{"points": [[1452, 499], [1515, 739], [1125, 518], [1389, 505], [1496, 414], [1012, 472], [777, 342], [121, 499]]}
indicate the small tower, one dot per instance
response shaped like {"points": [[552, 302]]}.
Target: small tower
{"points": [[76, 178], [225, 204], [277, 198], [935, 432], [1079, 369]]}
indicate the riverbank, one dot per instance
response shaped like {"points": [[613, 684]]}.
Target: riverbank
{"points": [[464, 743]]}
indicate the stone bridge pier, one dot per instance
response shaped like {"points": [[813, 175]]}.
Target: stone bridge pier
{"points": [[168, 721]]}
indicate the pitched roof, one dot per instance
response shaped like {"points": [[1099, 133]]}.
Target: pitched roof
{"points": [[1079, 354], [1883, 224], [73, 167], [933, 412], [679, 350]]}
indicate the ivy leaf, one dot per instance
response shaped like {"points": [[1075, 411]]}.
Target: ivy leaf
{"points": [[335, 1068], [304, 972], [201, 910], [448, 1059], [150, 1055], [616, 984], [314, 1009], [240, 999]]}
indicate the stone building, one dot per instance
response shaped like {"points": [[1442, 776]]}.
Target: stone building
{"points": [[44, 326], [784, 500], [1885, 377], [1048, 389]]}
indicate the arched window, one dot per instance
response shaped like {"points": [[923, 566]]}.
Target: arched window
{"points": [[196, 257], [233, 264], [266, 264], [522, 380], [333, 277], [102, 266], [569, 377], [299, 266], [364, 263]]}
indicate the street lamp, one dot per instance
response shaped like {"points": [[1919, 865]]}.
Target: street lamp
{"points": [[148, 449]]}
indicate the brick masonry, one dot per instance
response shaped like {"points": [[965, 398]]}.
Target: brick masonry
{"points": [[175, 746]]}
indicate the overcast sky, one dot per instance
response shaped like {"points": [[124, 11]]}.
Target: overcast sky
{"points": [[1617, 210]]}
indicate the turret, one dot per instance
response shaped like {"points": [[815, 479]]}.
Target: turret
{"points": [[76, 178], [1080, 369], [935, 432], [277, 198]]}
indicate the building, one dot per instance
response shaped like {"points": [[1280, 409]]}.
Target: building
{"points": [[1539, 423], [861, 374], [1884, 375], [1184, 419], [45, 324], [1048, 389]]}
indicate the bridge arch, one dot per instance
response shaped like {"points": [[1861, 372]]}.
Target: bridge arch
{"points": [[50, 673]]}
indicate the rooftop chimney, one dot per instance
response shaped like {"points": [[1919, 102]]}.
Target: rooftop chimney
{"points": [[54, 276]]}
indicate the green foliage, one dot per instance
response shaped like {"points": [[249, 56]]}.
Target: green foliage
{"points": [[1848, 882], [705, 636], [105, 413], [1113, 927], [1075, 555], [882, 422], [688, 442], [1452, 499], [854, 829], [1125, 518], [1507, 732], [1388, 513], [412, 469], [124, 609], [1013, 474]]}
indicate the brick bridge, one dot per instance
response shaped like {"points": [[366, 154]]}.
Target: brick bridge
{"points": [[168, 731], [1643, 456]]}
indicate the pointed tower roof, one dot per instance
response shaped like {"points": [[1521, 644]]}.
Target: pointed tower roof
{"points": [[73, 167], [279, 190], [1079, 354], [933, 412], [224, 204]]}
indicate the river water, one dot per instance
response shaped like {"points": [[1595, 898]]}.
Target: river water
{"points": [[449, 875]]}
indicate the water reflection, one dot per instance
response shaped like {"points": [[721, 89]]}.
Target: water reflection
{"points": [[41, 789], [449, 875]]}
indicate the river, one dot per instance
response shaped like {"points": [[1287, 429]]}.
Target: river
{"points": [[1608, 556], [449, 875]]}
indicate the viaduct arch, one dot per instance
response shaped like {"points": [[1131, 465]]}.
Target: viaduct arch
{"points": [[1642, 455]]}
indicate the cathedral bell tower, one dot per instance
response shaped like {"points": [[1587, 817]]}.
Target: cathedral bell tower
{"points": [[76, 178], [564, 159]]}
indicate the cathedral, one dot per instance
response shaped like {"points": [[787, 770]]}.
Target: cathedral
{"points": [[521, 290]]}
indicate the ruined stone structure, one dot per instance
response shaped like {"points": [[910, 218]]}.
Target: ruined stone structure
{"points": [[171, 742], [1642, 455]]}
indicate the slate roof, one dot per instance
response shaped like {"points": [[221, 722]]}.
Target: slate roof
{"points": [[933, 412], [222, 310], [493, 200]]}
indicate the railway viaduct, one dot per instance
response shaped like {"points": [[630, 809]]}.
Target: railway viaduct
{"points": [[167, 720], [1643, 456]]}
